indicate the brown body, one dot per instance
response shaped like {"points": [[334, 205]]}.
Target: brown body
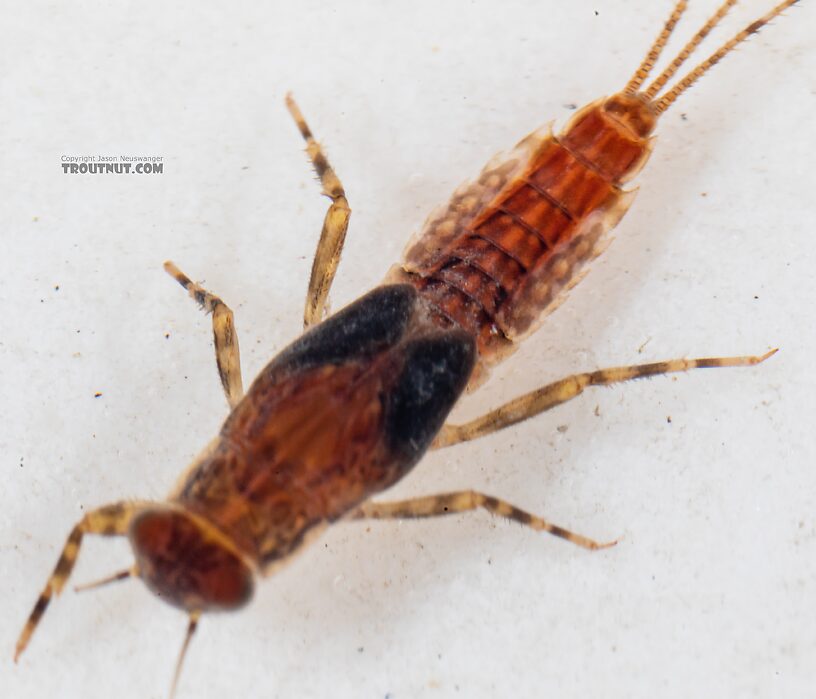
{"points": [[507, 245], [325, 425], [349, 408]]}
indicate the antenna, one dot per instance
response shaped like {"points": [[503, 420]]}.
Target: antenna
{"points": [[116, 577], [191, 628]]}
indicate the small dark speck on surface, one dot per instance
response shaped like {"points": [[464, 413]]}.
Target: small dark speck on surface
{"points": [[756, 297], [166, 336], [56, 287], [562, 428], [668, 419], [684, 116], [645, 342], [597, 13], [571, 105], [360, 649], [97, 394]]}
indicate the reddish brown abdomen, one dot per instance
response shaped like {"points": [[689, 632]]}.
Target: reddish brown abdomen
{"points": [[497, 258]]}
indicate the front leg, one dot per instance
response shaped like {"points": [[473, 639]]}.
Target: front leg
{"points": [[110, 520]]}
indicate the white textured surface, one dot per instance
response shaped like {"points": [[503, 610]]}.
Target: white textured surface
{"points": [[711, 592]]}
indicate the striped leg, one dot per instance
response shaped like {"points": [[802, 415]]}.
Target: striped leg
{"points": [[553, 394], [227, 355], [335, 225], [465, 501], [110, 520]]}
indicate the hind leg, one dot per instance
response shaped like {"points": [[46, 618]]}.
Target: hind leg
{"points": [[335, 225], [542, 399]]}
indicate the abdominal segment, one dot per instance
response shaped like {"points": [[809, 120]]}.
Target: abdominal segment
{"points": [[507, 246]]}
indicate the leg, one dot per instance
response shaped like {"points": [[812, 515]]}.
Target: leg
{"points": [[111, 520], [227, 355], [335, 225], [549, 396], [464, 501]]}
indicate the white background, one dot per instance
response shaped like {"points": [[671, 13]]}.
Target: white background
{"points": [[712, 590]]}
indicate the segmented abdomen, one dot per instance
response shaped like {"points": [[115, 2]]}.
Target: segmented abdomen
{"points": [[498, 256]]}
